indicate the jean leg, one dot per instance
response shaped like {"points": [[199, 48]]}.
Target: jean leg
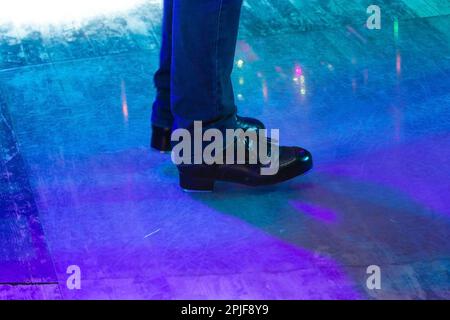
{"points": [[161, 113], [203, 42]]}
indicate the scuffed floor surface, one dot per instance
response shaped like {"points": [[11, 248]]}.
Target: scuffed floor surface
{"points": [[79, 185]]}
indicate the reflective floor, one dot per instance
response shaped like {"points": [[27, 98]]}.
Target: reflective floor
{"points": [[79, 185]]}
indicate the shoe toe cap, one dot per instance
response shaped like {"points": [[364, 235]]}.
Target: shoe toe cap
{"points": [[303, 155]]}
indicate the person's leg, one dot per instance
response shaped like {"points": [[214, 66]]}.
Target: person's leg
{"points": [[204, 38], [161, 113], [204, 34], [220, 47]]}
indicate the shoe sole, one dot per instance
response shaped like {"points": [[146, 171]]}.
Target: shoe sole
{"points": [[192, 184]]}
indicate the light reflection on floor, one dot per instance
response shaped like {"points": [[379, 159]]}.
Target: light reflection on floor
{"points": [[47, 12]]}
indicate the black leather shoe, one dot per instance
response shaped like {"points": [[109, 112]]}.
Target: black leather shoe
{"points": [[161, 139], [161, 136], [293, 161], [249, 123]]}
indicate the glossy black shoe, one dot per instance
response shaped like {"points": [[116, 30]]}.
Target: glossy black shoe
{"points": [[161, 136], [161, 139], [249, 124], [293, 161]]}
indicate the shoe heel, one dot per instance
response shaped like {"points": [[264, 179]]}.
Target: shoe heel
{"points": [[190, 183], [161, 139]]}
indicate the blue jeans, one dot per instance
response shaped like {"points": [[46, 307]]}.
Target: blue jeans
{"points": [[193, 81]]}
